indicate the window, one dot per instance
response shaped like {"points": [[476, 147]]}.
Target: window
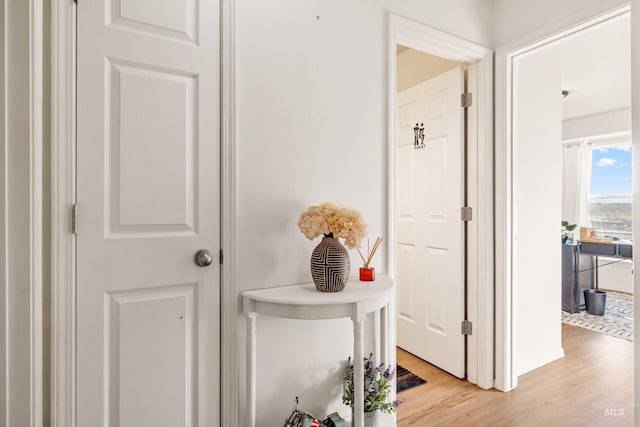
{"points": [[610, 197]]}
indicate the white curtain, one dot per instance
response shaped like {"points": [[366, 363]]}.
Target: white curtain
{"points": [[577, 180]]}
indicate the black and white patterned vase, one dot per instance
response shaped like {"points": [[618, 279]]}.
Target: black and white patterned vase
{"points": [[330, 265]]}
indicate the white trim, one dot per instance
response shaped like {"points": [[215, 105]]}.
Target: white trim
{"points": [[22, 195], [614, 139], [635, 130], [480, 230], [505, 379], [391, 194], [229, 375], [611, 196], [480, 233], [472, 226], [506, 334], [63, 243], [418, 36], [36, 51]]}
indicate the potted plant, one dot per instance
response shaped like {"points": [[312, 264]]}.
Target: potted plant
{"points": [[567, 232], [377, 389]]}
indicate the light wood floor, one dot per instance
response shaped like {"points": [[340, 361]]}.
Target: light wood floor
{"points": [[591, 386]]}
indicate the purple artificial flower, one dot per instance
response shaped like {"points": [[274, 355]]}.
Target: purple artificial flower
{"points": [[377, 386]]}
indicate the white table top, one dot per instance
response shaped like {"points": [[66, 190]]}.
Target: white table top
{"points": [[304, 301], [355, 291]]}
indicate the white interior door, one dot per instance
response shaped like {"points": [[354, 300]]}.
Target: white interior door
{"points": [[148, 196], [429, 242]]}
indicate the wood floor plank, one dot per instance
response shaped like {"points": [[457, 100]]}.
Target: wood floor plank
{"points": [[591, 386]]}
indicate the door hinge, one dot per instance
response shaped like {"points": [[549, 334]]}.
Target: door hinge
{"points": [[466, 327], [467, 213], [221, 257], [466, 100], [74, 219]]}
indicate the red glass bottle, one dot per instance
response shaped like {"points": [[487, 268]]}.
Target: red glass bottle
{"points": [[367, 274]]}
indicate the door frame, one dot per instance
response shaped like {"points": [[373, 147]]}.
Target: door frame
{"points": [[63, 196], [22, 351], [506, 290], [480, 243]]}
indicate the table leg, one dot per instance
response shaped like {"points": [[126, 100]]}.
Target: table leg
{"points": [[377, 355], [595, 267], [575, 286], [358, 375], [384, 334], [251, 369]]}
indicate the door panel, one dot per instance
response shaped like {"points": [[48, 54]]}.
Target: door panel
{"points": [[148, 189], [429, 231], [405, 176], [406, 268], [436, 309], [162, 199], [176, 19], [151, 325]]}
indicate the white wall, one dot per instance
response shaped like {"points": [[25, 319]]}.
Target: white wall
{"points": [[517, 21], [312, 108], [538, 205], [597, 124]]}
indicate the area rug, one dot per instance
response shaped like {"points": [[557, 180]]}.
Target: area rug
{"points": [[406, 379], [616, 322]]}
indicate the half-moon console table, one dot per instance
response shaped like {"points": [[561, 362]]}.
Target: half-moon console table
{"points": [[305, 302]]}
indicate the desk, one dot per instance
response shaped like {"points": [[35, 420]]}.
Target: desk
{"points": [[306, 302], [574, 282], [615, 249]]}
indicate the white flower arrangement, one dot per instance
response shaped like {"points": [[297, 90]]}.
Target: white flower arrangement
{"points": [[333, 221]]}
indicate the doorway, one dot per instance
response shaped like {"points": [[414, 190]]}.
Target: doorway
{"points": [[137, 296], [522, 65], [430, 191], [479, 364]]}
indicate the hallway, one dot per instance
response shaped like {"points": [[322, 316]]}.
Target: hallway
{"points": [[592, 385]]}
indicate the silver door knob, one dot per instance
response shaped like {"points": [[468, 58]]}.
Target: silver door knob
{"points": [[203, 258]]}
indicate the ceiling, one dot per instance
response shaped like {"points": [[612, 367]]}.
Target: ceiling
{"points": [[414, 66], [596, 68]]}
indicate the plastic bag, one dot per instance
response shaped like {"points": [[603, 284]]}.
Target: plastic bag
{"points": [[300, 418]]}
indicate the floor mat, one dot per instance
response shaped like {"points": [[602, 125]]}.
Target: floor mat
{"points": [[407, 379], [616, 322]]}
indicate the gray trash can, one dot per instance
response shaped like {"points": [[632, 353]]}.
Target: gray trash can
{"points": [[595, 301]]}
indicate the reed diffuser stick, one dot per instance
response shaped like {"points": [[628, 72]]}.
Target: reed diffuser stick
{"points": [[370, 251]]}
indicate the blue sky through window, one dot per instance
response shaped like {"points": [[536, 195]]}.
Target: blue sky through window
{"points": [[611, 170]]}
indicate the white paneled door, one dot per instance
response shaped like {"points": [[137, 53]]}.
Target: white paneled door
{"points": [[148, 189], [429, 246]]}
